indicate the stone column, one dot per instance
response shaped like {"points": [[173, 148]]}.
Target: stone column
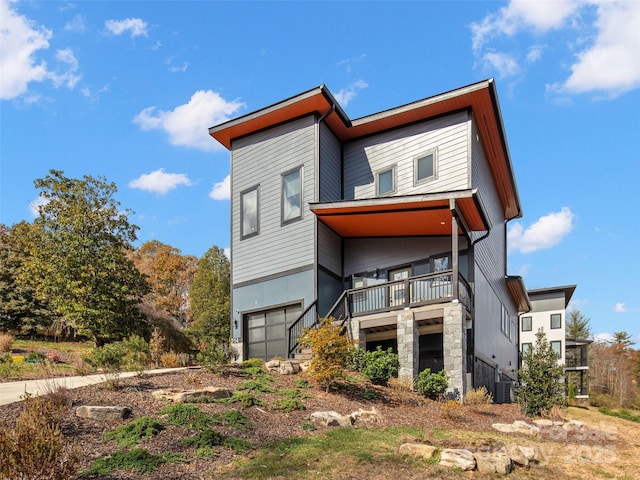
{"points": [[358, 334], [454, 346], [408, 345]]}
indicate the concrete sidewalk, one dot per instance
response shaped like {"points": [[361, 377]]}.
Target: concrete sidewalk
{"points": [[11, 392]]}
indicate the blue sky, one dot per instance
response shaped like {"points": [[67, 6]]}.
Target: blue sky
{"points": [[127, 90]]}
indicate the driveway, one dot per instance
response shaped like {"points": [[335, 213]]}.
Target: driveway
{"points": [[11, 392]]}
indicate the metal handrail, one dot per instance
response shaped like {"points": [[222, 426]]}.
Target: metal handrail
{"points": [[307, 319]]}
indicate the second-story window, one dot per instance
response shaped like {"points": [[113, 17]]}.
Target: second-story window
{"points": [[386, 182], [556, 346], [292, 196], [424, 167], [526, 324], [556, 320], [249, 213]]}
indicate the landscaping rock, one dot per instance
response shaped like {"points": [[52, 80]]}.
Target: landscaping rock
{"points": [[368, 417], [573, 426], [543, 422], [520, 455], [103, 412], [283, 367], [186, 395], [517, 427], [331, 419], [457, 458], [420, 450], [493, 461]]}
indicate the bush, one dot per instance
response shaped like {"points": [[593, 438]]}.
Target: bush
{"points": [[330, 351], [137, 460], [402, 390], [478, 397], [137, 353], [188, 416], [170, 359], [130, 434], [6, 342], [379, 365], [214, 355], [452, 409], [431, 385], [36, 448]]}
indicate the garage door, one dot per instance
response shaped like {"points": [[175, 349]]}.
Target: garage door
{"points": [[267, 331]]}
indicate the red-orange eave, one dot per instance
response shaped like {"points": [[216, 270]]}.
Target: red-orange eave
{"points": [[419, 218], [479, 98]]}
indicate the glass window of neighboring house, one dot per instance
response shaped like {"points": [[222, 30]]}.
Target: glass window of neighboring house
{"points": [[424, 167], [556, 320], [292, 196], [386, 182], [556, 346], [249, 213], [526, 324], [526, 348]]}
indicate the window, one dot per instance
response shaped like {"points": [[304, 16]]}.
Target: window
{"points": [[386, 182], [556, 346], [292, 196], [526, 348], [556, 320], [424, 167], [526, 324], [249, 213]]}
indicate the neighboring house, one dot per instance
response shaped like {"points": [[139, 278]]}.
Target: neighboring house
{"points": [[548, 312], [394, 224]]}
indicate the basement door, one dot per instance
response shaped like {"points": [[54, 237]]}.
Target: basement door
{"points": [[267, 331]]}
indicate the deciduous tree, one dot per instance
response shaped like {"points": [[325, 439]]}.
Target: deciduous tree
{"points": [[82, 262]]}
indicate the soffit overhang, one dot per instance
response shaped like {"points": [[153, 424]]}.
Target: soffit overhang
{"points": [[480, 98], [565, 290], [518, 292], [415, 215]]}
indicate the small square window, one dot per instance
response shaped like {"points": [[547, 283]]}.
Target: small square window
{"points": [[556, 346], [526, 324], [424, 167], [292, 196], [556, 320], [249, 213], [386, 182], [526, 348]]}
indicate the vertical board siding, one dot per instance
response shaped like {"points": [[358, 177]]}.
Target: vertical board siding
{"points": [[330, 166], [366, 254], [260, 159], [365, 157], [329, 249]]}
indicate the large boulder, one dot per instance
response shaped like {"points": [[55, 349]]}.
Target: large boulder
{"points": [[186, 395], [520, 455], [103, 413], [420, 450], [457, 458], [283, 367], [517, 427], [331, 419], [493, 461], [368, 417]]}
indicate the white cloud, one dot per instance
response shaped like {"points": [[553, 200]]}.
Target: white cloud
{"points": [[621, 308], [605, 31], [603, 337], [505, 64], [545, 232], [34, 205], [20, 39], [221, 190], [76, 24], [67, 78], [344, 96], [159, 181], [187, 124], [135, 26], [612, 63]]}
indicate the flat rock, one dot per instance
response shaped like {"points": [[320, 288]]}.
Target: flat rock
{"points": [[520, 455], [517, 427], [420, 450], [457, 458], [369, 417], [543, 422], [103, 412], [186, 395], [331, 419]]}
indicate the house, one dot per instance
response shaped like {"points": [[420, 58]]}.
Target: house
{"points": [[548, 313], [394, 224]]}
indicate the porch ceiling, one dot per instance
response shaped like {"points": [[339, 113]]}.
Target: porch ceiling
{"points": [[401, 216]]}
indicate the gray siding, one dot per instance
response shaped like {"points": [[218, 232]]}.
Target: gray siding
{"points": [[365, 157], [547, 301], [330, 166], [260, 159], [329, 249], [365, 254]]}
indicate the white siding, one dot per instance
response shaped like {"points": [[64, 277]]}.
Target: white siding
{"points": [[330, 166], [365, 157], [260, 159]]}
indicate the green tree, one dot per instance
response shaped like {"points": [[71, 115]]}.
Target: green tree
{"points": [[541, 379], [81, 261], [20, 309], [210, 297], [621, 340], [578, 325]]}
